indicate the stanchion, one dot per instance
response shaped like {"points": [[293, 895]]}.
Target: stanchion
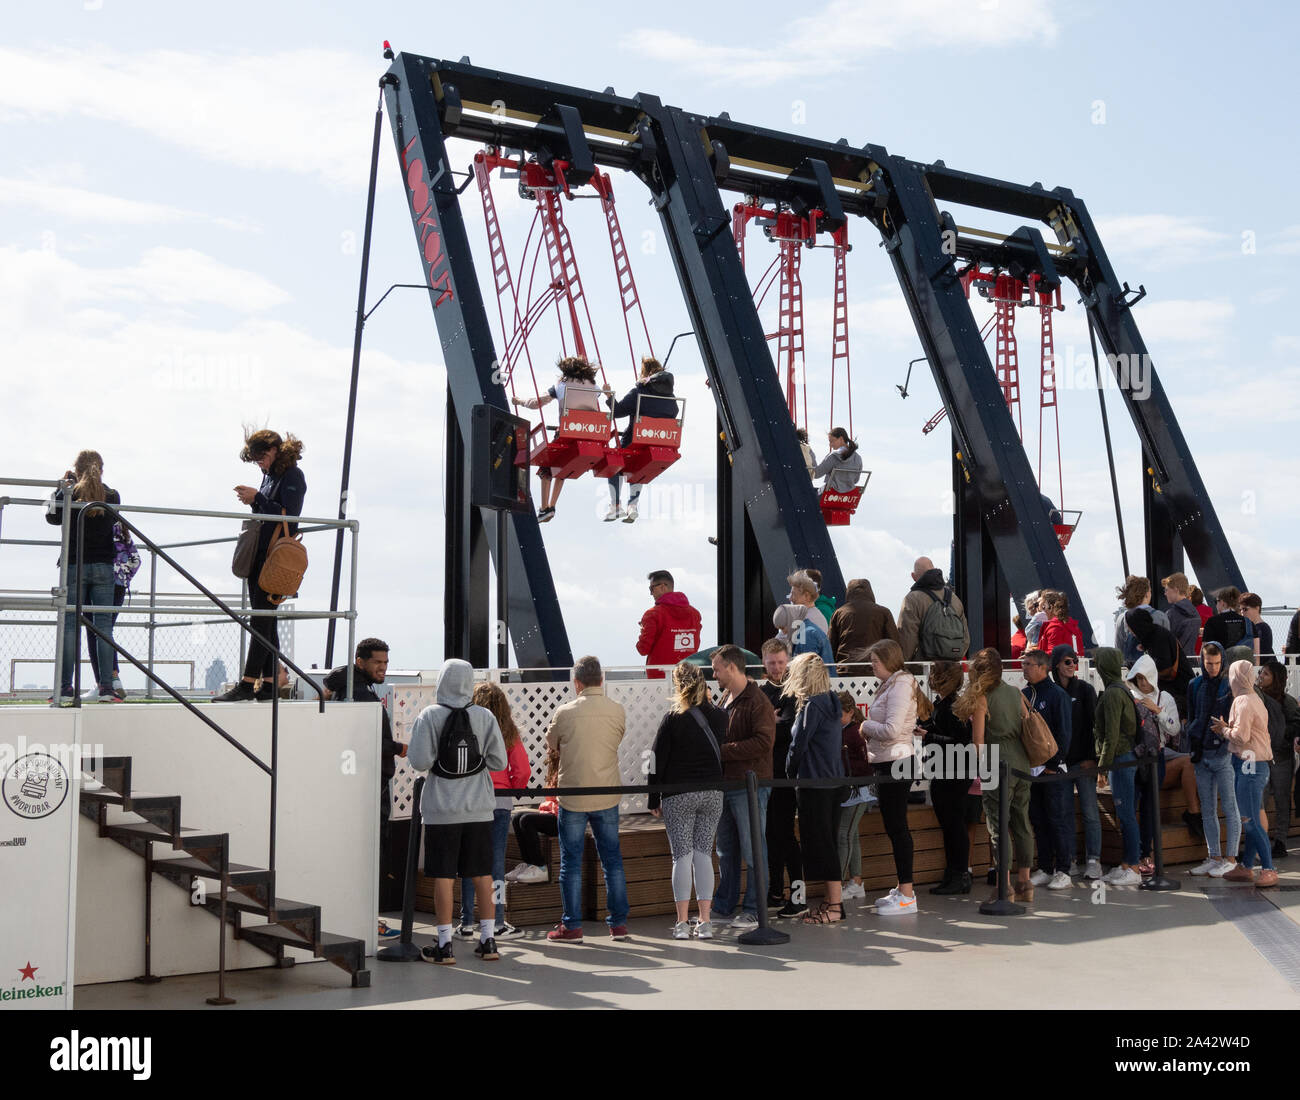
{"points": [[764, 935], [404, 950], [1157, 881], [1002, 906]]}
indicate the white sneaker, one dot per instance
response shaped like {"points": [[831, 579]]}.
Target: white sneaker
{"points": [[704, 930], [1124, 876], [1059, 881], [508, 931], [1039, 878], [744, 922], [630, 515], [514, 872], [1093, 869], [853, 890], [1222, 868], [682, 930], [1205, 868], [888, 899], [897, 904], [1076, 869], [532, 874], [610, 517]]}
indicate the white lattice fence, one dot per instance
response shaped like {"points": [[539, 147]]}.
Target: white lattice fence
{"points": [[646, 702]]}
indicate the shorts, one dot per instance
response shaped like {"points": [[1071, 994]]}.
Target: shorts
{"points": [[544, 473], [459, 850]]}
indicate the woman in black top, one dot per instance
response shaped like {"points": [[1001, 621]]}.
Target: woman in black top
{"points": [[96, 579], [687, 749], [282, 492], [950, 795]]}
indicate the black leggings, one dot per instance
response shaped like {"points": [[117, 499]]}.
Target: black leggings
{"points": [[530, 827], [949, 798], [260, 659], [893, 811], [783, 853]]}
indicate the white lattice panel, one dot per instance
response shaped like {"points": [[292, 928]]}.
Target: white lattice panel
{"points": [[532, 705]]}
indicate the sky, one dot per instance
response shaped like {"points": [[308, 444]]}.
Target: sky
{"points": [[182, 198]]}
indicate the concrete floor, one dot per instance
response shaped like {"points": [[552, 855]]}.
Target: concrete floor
{"points": [[1073, 949]]}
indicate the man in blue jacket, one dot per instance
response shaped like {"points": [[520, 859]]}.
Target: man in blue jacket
{"points": [[1051, 805]]}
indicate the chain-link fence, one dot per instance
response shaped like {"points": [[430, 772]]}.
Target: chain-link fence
{"points": [[196, 655]]}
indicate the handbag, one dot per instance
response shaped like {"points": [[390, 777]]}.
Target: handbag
{"points": [[1035, 736], [285, 565], [241, 561]]}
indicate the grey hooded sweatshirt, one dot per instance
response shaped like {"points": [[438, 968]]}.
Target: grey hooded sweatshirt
{"points": [[449, 801]]}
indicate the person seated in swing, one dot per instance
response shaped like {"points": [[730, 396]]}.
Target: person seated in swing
{"points": [[809, 456], [842, 465], [1053, 513], [575, 371], [654, 389]]}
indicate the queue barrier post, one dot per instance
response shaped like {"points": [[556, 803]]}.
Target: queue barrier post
{"points": [[1002, 906], [1159, 880], [764, 935], [404, 950]]}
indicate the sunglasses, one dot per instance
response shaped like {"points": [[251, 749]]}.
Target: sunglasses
{"points": [[1069, 660]]}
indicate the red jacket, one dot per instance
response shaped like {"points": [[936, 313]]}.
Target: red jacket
{"points": [[1055, 632], [670, 631], [1204, 611], [1018, 643]]}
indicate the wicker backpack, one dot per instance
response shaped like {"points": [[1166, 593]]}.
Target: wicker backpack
{"points": [[285, 566]]}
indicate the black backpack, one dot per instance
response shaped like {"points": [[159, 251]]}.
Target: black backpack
{"points": [[943, 633], [459, 755]]}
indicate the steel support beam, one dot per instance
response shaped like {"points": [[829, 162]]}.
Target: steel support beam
{"points": [[538, 631]]}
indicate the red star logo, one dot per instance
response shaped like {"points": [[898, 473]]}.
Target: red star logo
{"points": [[28, 971]]}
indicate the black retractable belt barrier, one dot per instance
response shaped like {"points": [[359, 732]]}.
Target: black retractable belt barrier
{"points": [[404, 950], [1157, 881], [764, 935], [1002, 906]]}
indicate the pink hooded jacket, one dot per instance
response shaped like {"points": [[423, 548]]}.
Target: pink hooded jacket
{"points": [[891, 719], [1248, 718]]}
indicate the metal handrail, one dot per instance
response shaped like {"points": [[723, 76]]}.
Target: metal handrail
{"points": [[82, 508]]}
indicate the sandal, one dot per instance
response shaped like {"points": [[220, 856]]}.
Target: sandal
{"points": [[822, 915]]}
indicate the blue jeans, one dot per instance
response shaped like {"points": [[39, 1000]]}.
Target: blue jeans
{"points": [[1086, 786], [1217, 785], [1250, 800], [1123, 787], [604, 830], [500, 830], [734, 846], [96, 588]]}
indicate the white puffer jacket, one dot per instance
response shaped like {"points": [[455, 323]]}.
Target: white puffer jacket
{"points": [[891, 719]]}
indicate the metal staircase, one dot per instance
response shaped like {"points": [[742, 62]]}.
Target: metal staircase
{"points": [[237, 894]]}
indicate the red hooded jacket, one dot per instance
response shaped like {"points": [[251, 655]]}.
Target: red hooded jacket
{"points": [[670, 631], [1055, 632]]}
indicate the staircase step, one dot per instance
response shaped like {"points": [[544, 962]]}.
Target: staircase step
{"points": [[144, 830], [240, 874], [284, 908]]}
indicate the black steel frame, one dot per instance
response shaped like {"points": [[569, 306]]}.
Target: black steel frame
{"points": [[768, 516]]}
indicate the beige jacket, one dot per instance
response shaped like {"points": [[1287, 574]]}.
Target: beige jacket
{"points": [[587, 732]]}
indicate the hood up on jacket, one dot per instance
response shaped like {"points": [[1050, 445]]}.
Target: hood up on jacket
{"points": [[1241, 677], [456, 683], [1142, 625], [787, 615], [931, 578], [1060, 653], [1214, 647], [1109, 664], [1145, 666], [859, 589]]}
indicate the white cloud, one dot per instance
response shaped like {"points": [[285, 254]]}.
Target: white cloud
{"points": [[1287, 244], [298, 111], [1164, 240], [844, 32], [80, 204]]}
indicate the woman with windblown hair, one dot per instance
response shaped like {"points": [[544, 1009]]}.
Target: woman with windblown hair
{"points": [[95, 536], [282, 492]]}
